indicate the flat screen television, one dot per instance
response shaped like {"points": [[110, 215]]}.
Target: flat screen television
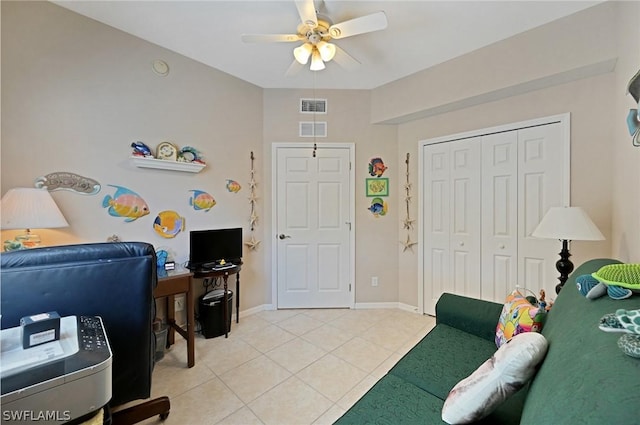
{"points": [[207, 247]]}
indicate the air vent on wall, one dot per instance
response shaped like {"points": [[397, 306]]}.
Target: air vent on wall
{"points": [[310, 106], [307, 129]]}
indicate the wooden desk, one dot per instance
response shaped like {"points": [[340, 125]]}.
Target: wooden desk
{"points": [[173, 283], [224, 274]]}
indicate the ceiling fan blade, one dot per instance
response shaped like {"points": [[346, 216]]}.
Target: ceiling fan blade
{"points": [[270, 38], [294, 68], [307, 12], [368, 23], [345, 60]]}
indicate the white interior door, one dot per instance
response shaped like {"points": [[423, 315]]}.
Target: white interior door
{"points": [[313, 203]]}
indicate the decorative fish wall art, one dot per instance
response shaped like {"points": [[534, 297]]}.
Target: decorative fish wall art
{"points": [[233, 186], [125, 203], [378, 207], [201, 200], [168, 224], [377, 167]]}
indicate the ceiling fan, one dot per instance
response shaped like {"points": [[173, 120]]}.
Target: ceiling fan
{"points": [[315, 31]]}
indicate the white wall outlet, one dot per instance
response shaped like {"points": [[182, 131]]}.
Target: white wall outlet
{"points": [[374, 281], [179, 303]]}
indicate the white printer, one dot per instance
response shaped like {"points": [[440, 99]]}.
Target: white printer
{"points": [[58, 381]]}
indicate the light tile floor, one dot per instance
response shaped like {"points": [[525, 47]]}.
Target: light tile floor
{"points": [[286, 366]]}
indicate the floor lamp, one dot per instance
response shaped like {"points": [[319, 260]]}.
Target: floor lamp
{"points": [[29, 208], [566, 224]]}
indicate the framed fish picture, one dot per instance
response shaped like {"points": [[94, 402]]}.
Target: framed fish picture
{"points": [[377, 186]]}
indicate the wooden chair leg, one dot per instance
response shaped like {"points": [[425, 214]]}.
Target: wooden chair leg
{"points": [[134, 414]]}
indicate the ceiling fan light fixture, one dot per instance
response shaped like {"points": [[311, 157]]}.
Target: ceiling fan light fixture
{"points": [[316, 61], [302, 53], [327, 50]]}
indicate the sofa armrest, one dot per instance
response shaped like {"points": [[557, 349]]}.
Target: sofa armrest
{"points": [[477, 317]]}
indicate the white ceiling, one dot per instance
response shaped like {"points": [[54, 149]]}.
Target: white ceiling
{"points": [[420, 34]]}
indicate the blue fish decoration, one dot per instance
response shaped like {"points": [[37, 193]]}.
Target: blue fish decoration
{"points": [[378, 207], [125, 203], [140, 149]]}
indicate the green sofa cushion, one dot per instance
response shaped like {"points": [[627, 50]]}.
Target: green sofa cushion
{"points": [[443, 358], [585, 374], [394, 401]]}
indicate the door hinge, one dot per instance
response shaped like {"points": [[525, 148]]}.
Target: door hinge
{"points": [[349, 287], [349, 165], [349, 223]]}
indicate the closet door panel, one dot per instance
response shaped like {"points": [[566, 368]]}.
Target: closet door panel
{"points": [[436, 261], [541, 175], [465, 204], [499, 215]]}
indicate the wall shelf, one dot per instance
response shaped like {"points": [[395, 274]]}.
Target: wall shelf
{"points": [[162, 164]]}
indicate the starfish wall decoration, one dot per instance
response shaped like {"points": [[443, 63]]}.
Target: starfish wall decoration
{"points": [[253, 199], [408, 244], [408, 222]]}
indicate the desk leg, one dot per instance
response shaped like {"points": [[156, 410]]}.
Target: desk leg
{"points": [[191, 326], [226, 307], [171, 319], [238, 297]]}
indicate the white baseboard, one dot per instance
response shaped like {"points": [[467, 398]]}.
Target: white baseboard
{"points": [[258, 309], [407, 307], [358, 306], [400, 306]]}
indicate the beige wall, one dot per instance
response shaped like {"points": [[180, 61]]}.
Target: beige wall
{"points": [[625, 240], [525, 77], [348, 122], [76, 93], [590, 148]]}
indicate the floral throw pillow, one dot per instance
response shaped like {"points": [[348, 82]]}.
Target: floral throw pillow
{"points": [[518, 316]]}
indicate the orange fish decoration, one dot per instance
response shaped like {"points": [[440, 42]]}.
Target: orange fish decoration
{"points": [[233, 186], [201, 200], [377, 167]]}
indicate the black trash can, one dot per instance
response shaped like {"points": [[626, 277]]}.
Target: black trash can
{"points": [[211, 312]]}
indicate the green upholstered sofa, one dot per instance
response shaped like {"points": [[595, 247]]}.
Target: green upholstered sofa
{"points": [[584, 379]]}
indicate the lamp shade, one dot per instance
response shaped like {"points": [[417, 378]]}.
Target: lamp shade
{"points": [[327, 50], [316, 61], [30, 208], [567, 223], [302, 53]]}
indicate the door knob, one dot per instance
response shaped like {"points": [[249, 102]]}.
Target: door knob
{"points": [[461, 243], [501, 246], [283, 236]]}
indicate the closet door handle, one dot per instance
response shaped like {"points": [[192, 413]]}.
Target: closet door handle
{"points": [[501, 246], [461, 243]]}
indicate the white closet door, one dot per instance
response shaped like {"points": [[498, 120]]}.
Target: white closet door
{"points": [[499, 214], [465, 216], [451, 182], [541, 185], [483, 194], [436, 220]]}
